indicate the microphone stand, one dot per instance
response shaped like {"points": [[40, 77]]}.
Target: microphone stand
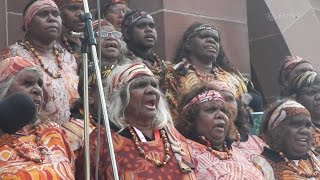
{"points": [[90, 41]]}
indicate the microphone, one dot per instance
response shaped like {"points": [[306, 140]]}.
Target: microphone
{"points": [[16, 111], [77, 34]]}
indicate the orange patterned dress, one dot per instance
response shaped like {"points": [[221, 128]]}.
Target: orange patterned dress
{"points": [[273, 167], [58, 93], [130, 164], [58, 161], [250, 148], [315, 131], [209, 166]]}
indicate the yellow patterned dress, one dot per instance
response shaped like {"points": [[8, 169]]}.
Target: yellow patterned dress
{"points": [[36, 152], [179, 80]]}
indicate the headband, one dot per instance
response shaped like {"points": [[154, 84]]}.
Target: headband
{"points": [[305, 79], [290, 63], [287, 109], [210, 95], [63, 3], [200, 28], [134, 17], [35, 8]]}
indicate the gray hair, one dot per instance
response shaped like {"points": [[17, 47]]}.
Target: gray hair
{"points": [[5, 86], [118, 100]]}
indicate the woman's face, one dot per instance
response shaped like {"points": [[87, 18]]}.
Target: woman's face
{"points": [[205, 44], [29, 82], [212, 122], [71, 16], [46, 25], [144, 99], [297, 139], [110, 42], [309, 97], [231, 105], [116, 14]]}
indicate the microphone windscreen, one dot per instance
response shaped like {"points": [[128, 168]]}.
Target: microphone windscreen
{"points": [[16, 111]]}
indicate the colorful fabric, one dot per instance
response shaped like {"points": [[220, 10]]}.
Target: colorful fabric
{"points": [[223, 86], [126, 75], [210, 95], [305, 79], [250, 148], [12, 65], [35, 8], [129, 162], [315, 132], [58, 163], [182, 77], [274, 168], [287, 109], [59, 93], [63, 3], [74, 129], [210, 166]]}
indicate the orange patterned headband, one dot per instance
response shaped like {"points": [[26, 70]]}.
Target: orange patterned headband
{"points": [[210, 95]]}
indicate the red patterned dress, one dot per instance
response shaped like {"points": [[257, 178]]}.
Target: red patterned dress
{"points": [[130, 164], [250, 148], [58, 161], [209, 166]]}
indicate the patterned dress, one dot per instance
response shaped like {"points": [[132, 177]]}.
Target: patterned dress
{"points": [[315, 131], [130, 164], [274, 167], [58, 93], [209, 166], [182, 79], [58, 162], [250, 148]]}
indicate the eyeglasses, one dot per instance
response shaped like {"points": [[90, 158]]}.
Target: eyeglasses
{"points": [[104, 34]]}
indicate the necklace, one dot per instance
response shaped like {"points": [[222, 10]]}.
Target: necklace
{"points": [[66, 43], [38, 57], [147, 157], [155, 67], [204, 76], [299, 172], [31, 151], [226, 154]]}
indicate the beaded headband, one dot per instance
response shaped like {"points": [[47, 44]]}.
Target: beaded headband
{"points": [[200, 28], [35, 8], [210, 95], [287, 109]]}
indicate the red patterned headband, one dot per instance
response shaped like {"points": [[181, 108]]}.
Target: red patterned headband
{"points": [[290, 63], [12, 65], [210, 95], [35, 8]]}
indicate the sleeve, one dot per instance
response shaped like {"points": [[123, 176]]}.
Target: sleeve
{"points": [[264, 166]]}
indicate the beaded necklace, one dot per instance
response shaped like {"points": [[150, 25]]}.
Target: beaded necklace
{"points": [[315, 173], [66, 43], [224, 155], [35, 152], [57, 75], [204, 76], [155, 67], [147, 157]]}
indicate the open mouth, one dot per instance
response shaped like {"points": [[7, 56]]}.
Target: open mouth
{"points": [[150, 104], [111, 45], [211, 48], [219, 127], [149, 37]]}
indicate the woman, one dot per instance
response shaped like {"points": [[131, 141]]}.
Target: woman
{"points": [[201, 58], [286, 130], [114, 12], [203, 119], [291, 67], [145, 142], [39, 150], [306, 90], [249, 145], [42, 24]]}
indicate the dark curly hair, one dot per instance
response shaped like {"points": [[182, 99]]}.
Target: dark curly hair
{"points": [[244, 121], [186, 120], [182, 52]]}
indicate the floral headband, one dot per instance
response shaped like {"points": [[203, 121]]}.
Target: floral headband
{"points": [[287, 109], [210, 95]]}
